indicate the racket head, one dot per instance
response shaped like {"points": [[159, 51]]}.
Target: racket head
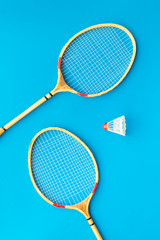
{"points": [[47, 168], [89, 74]]}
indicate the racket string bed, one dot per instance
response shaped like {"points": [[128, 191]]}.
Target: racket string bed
{"points": [[98, 42], [70, 181]]}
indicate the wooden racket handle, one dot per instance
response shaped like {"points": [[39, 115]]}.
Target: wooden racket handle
{"points": [[96, 232], [26, 112], [94, 228]]}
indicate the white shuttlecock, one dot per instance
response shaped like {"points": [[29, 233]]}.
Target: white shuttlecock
{"points": [[117, 125]]}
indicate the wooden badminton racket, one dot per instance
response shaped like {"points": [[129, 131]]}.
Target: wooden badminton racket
{"points": [[64, 171], [92, 63]]}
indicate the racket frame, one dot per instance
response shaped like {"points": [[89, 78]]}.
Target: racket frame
{"points": [[86, 30], [80, 206]]}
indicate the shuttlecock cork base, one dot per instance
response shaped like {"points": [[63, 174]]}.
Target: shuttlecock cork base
{"points": [[105, 126]]}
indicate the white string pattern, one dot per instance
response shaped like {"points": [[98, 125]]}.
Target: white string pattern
{"points": [[97, 59], [62, 168]]}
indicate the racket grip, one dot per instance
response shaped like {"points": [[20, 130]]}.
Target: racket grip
{"points": [[94, 228], [26, 112], [1, 131]]}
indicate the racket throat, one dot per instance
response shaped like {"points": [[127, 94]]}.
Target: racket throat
{"points": [[83, 206], [61, 86]]}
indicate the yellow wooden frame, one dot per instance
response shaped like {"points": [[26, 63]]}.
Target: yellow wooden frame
{"points": [[83, 206], [62, 85]]}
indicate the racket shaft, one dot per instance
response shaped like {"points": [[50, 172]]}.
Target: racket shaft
{"points": [[94, 228], [96, 232], [26, 112]]}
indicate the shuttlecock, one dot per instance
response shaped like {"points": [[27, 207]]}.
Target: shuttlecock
{"points": [[117, 125]]}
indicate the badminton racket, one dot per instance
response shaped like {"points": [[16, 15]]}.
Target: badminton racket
{"points": [[92, 63], [63, 171]]}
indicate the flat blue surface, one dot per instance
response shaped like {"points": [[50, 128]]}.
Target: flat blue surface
{"points": [[126, 205]]}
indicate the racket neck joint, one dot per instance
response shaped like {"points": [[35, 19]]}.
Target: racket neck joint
{"points": [[62, 86], [83, 207]]}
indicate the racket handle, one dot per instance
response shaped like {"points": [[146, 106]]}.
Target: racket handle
{"points": [[94, 228], [26, 112]]}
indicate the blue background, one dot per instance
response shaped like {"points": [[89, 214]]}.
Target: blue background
{"points": [[126, 204]]}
